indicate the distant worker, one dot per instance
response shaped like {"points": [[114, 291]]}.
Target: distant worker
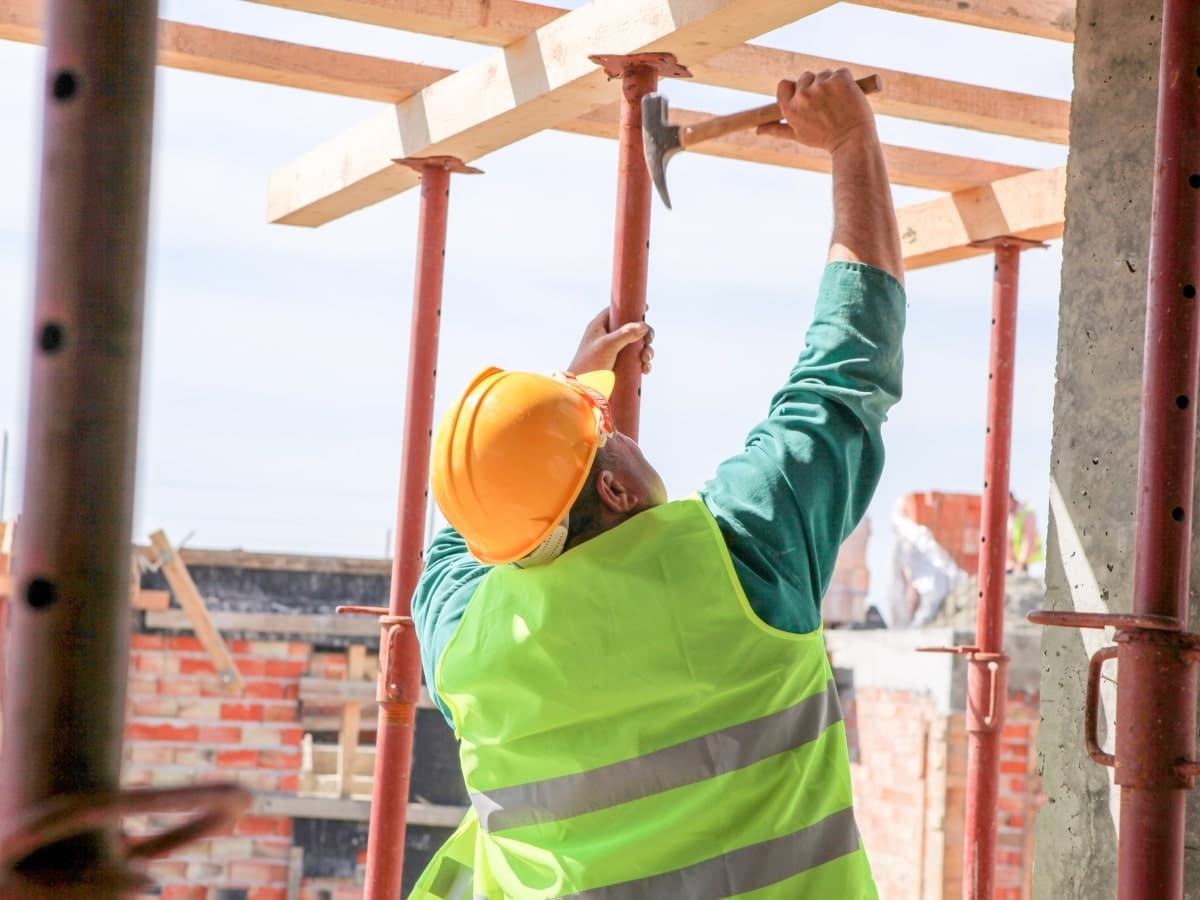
{"points": [[639, 688], [1024, 541]]}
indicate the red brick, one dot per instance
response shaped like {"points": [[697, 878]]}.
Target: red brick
{"points": [[184, 892], [267, 893], [256, 872], [264, 690], [251, 668], [1012, 767], [185, 644], [278, 759], [237, 758], [179, 687], [218, 734], [242, 712], [280, 712], [264, 825], [238, 646], [141, 731], [289, 783], [285, 668], [189, 665], [291, 736], [298, 649], [146, 642], [291, 691]]}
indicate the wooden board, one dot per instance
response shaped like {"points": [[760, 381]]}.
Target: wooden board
{"points": [[356, 664], [1031, 206], [500, 22], [345, 809], [534, 83], [1053, 19], [907, 96], [273, 623], [184, 589]]}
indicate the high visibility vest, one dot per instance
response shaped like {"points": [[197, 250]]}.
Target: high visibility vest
{"points": [[629, 728], [1018, 536]]}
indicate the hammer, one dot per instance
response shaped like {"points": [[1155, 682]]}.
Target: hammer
{"points": [[661, 141]]}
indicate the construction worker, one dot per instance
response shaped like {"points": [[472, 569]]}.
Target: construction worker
{"points": [[639, 688], [1024, 540]]}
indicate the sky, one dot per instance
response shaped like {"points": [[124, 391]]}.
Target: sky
{"points": [[275, 361]]}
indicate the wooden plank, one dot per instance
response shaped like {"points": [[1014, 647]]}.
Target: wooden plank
{"points": [[356, 664], [184, 589], [906, 166], [273, 623], [494, 22], [500, 22], [1053, 19], [211, 51], [532, 84], [240, 559], [758, 69], [1031, 206], [271, 803], [155, 600]]}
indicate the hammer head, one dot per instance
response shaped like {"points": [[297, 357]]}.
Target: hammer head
{"points": [[660, 142]]}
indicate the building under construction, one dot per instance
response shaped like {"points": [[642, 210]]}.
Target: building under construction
{"points": [[219, 724]]}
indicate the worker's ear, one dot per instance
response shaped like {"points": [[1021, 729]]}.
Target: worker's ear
{"points": [[615, 493]]}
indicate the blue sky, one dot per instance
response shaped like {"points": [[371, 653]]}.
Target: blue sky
{"points": [[273, 390]]}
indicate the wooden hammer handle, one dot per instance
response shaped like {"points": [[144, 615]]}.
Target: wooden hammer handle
{"points": [[720, 126]]}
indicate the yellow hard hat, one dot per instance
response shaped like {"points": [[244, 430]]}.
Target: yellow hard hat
{"points": [[512, 454]]}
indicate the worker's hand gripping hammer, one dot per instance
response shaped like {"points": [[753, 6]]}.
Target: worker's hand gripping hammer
{"points": [[661, 141]]}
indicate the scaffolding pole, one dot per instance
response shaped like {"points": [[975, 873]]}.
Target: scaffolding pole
{"points": [[64, 709], [399, 684], [639, 74], [1156, 685]]}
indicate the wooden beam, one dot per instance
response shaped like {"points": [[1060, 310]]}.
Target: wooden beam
{"points": [[500, 22], [758, 69], [1029, 206], [532, 84], [356, 666], [1053, 19], [215, 52], [906, 166], [189, 598], [287, 562], [273, 623], [494, 22], [278, 804]]}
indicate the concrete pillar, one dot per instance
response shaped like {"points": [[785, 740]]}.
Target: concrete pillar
{"points": [[1095, 442]]}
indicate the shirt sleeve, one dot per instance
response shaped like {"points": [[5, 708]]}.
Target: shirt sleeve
{"points": [[810, 469], [450, 577]]}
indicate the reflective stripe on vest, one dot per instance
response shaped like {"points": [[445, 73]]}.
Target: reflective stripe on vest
{"points": [[745, 869], [706, 756], [628, 727]]}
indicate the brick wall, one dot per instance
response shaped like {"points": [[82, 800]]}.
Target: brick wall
{"points": [[183, 728], [908, 765]]}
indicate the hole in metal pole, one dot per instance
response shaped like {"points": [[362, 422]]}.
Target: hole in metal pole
{"points": [[64, 85], [1189, 291], [1182, 401], [1177, 514], [1194, 181], [41, 593], [51, 337]]}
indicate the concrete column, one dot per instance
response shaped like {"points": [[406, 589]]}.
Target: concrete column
{"points": [[1095, 443]]}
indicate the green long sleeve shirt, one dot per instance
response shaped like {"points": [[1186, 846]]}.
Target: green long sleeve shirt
{"points": [[797, 490]]}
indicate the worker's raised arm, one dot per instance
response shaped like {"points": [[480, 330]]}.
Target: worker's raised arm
{"points": [[830, 112]]}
